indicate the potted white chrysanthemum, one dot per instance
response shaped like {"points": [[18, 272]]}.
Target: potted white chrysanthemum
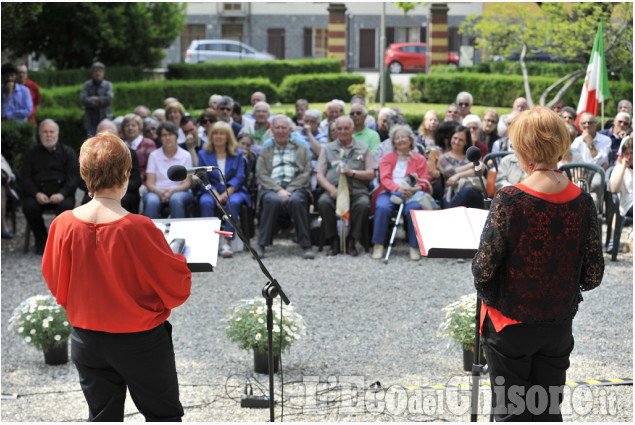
{"points": [[459, 324], [41, 322], [247, 325]]}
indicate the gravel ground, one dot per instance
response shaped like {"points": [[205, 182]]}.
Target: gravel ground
{"points": [[366, 322]]}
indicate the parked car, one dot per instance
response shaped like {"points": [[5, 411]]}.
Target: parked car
{"points": [[401, 57], [215, 50]]}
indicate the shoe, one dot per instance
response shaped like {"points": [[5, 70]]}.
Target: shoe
{"points": [[226, 251], [307, 254], [415, 255], [378, 252], [7, 235], [397, 200], [260, 250], [609, 247], [352, 251]]}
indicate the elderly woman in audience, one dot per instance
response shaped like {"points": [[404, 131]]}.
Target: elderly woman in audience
{"points": [[150, 129], [159, 115], [260, 128], [301, 106], [162, 190], [454, 166], [174, 112], [489, 132], [427, 128], [205, 122], [132, 127], [568, 114], [473, 123], [222, 151], [403, 174]]}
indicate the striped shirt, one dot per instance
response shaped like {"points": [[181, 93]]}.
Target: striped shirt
{"points": [[284, 166]]}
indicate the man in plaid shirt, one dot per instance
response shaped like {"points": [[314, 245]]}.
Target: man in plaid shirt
{"points": [[284, 170]]}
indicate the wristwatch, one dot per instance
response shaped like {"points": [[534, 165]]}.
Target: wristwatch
{"points": [[354, 172]]}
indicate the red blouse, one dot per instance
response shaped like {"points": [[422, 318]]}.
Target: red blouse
{"points": [[114, 277]]}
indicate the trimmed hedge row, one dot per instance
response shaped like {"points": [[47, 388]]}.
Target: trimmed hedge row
{"points": [[275, 70], [193, 94], [317, 87], [71, 77], [17, 139], [501, 90]]}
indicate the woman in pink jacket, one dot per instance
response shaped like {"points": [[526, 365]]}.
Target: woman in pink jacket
{"points": [[403, 176]]}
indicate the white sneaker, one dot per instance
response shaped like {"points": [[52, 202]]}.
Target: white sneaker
{"points": [[378, 252], [226, 251], [415, 255]]}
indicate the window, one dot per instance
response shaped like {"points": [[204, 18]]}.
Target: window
{"points": [[406, 35], [315, 43], [232, 7]]}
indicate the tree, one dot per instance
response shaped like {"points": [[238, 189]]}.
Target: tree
{"points": [[563, 30], [73, 35]]}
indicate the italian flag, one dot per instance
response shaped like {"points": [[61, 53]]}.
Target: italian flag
{"points": [[596, 82]]}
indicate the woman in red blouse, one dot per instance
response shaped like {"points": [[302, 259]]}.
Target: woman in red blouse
{"points": [[539, 249], [117, 278]]}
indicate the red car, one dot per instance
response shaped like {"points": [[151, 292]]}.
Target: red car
{"points": [[411, 57]]}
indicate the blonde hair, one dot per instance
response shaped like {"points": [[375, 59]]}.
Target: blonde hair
{"points": [[539, 135], [226, 129]]}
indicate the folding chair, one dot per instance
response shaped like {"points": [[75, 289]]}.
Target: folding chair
{"points": [[612, 202]]}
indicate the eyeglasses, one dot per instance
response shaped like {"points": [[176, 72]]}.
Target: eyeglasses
{"points": [[453, 112], [206, 121], [355, 113], [622, 122], [464, 104], [224, 109], [588, 123], [472, 128], [492, 121]]}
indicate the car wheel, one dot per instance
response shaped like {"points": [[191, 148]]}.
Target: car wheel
{"points": [[395, 68]]}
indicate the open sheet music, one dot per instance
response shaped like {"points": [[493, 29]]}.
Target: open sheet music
{"points": [[450, 233], [201, 242]]}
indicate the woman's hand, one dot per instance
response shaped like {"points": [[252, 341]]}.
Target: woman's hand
{"points": [[452, 180]]}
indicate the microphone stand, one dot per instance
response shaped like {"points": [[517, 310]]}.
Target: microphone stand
{"points": [[271, 289], [477, 367]]}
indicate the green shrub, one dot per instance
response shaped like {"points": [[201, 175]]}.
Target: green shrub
{"points": [[275, 70], [501, 90], [17, 139], [388, 92], [70, 77], [317, 87], [193, 94]]}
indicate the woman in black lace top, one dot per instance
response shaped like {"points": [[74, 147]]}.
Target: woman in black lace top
{"points": [[539, 249]]}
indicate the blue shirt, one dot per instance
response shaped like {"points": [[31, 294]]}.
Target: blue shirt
{"points": [[18, 106]]}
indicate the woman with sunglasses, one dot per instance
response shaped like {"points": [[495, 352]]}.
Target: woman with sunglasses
{"points": [[205, 122]]}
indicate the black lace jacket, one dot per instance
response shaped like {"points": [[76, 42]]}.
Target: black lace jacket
{"points": [[535, 256]]}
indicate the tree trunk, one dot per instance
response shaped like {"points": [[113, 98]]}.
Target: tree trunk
{"points": [[530, 102], [543, 98]]}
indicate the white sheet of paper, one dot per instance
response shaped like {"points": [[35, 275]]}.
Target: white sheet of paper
{"points": [[201, 243]]}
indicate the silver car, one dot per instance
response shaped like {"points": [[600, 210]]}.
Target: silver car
{"points": [[215, 50]]}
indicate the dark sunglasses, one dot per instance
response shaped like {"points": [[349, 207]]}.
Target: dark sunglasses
{"points": [[464, 104], [492, 121], [224, 109], [355, 113], [453, 112], [623, 122], [206, 121]]}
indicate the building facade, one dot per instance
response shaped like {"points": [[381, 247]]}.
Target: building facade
{"points": [[296, 30]]}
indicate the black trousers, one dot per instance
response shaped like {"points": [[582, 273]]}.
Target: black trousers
{"points": [[33, 213], [298, 208], [143, 362], [528, 365]]}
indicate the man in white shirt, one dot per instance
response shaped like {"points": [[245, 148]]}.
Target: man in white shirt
{"points": [[591, 145]]}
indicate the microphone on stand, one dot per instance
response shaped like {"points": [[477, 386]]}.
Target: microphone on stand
{"points": [[178, 173], [473, 154]]}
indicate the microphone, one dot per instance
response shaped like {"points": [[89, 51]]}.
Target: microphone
{"points": [[178, 173], [473, 155]]}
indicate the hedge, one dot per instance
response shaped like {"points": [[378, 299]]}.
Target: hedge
{"points": [[71, 77], [17, 139], [317, 87], [193, 94], [501, 90], [275, 70]]}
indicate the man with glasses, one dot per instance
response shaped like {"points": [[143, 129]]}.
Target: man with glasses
{"points": [[619, 130], [464, 100], [452, 113], [284, 170], [256, 97], [361, 133], [224, 107], [594, 147]]}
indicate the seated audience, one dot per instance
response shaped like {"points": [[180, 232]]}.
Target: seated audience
{"points": [[205, 122], [225, 108], [213, 101], [49, 179], [192, 142], [394, 171], [174, 112], [222, 151], [332, 110], [382, 124], [557, 107], [570, 157], [568, 115], [503, 144], [464, 101], [489, 133], [142, 111], [452, 113], [455, 167], [520, 105], [256, 97], [594, 147], [245, 142], [260, 129], [473, 123], [159, 115], [622, 182], [427, 128], [150, 128], [143, 146], [509, 172], [361, 133], [301, 106], [387, 145], [162, 190], [370, 120], [284, 171], [622, 106], [355, 166], [311, 135], [619, 130]]}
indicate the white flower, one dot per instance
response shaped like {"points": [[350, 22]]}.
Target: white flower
{"points": [[258, 337], [32, 331], [276, 328], [238, 319], [45, 324], [21, 329], [260, 320], [27, 339], [57, 337], [65, 323]]}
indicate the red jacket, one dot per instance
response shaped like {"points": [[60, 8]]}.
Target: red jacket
{"points": [[416, 164]]}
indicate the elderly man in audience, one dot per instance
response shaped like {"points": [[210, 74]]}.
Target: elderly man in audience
{"points": [[370, 121], [333, 110], [213, 101], [594, 147], [225, 107], [96, 97], [301, 106], [311, 135], [49, 179], [192, 142], [142, 111], [256, 97], [619, 130], [464, 100], [382, 122], [361, 133], [284, 171], [260, 129], [509, 172], [159, 115], [452, 113], [353, 159], [473, 123], [520, 105]]}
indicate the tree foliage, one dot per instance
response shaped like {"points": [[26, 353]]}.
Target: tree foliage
{"points": [[565, 31], [407, 6], [73, 35]]}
